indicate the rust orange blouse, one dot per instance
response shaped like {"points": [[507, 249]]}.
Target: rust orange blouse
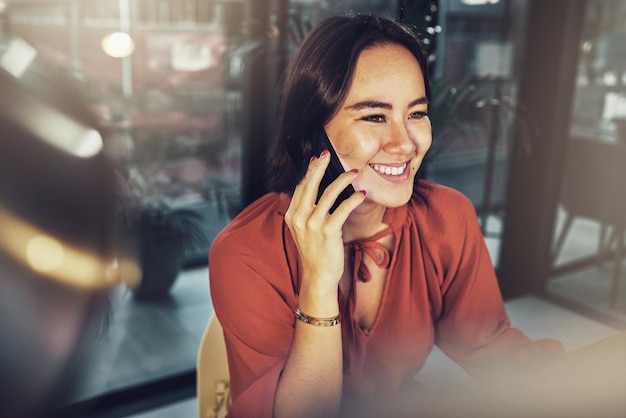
{"points": [[441, 289]]}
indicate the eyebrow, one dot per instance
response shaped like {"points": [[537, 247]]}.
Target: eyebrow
{"points": [[365, 104]]}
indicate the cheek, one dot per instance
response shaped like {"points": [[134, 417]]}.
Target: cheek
{"points": [[423, 138], [357, 150], [426, 143]]}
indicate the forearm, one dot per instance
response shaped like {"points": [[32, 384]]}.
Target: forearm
{"points": [[311, 382], [312, 378]]}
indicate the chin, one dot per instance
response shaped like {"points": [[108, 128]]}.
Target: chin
{"points": [[395, 200]]}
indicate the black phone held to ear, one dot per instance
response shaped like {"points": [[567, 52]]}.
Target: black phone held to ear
{"points": [[320, 142]]}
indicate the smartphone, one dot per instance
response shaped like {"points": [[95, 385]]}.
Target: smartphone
{"points": [[321, 143]]}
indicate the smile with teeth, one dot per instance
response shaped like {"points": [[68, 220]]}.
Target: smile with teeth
{"points": [[388, 170]]}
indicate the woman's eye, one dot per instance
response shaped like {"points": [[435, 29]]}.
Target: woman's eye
{"points": [[374, 118], [418, 115]]}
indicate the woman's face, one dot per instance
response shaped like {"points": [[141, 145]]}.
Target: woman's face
{"points": [[382, 129]]}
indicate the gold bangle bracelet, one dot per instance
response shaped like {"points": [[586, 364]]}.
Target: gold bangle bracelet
{"points": [[318, 322]]}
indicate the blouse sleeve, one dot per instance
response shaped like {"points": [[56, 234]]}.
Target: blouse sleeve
{"points": [[255, 310], [474, 328]]}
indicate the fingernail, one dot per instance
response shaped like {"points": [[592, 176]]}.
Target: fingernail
{"points": [[313, 158], [324, 153], [363, 192], [355, 171]]}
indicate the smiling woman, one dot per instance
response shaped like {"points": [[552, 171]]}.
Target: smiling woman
{"points": [[328, 314], [382, 129]]}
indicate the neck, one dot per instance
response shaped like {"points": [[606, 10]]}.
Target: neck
{"points": [[364, 221]]}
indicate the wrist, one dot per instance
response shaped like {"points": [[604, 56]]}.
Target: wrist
{"points": [[318, 322], [318, 302]]}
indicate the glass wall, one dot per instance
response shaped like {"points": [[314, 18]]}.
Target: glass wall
{"points": [[474, 80], [170, 81], [588, 256], [154, 72]]}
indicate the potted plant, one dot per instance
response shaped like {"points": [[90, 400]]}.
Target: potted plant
{"points": [[451, 104], [160, 234], [157, 226]]}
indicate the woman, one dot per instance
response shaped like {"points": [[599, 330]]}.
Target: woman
{"points": [[324, 311]]}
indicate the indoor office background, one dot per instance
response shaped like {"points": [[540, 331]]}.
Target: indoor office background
{"points": [[528, 115]]}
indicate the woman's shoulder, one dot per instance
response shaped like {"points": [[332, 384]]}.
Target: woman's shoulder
{"points": [[444, 199], [444, 221], [255, 226], [440, 210]]}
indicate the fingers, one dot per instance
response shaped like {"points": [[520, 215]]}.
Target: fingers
{"points": [[311, 182], [335, 189], [340, 215], [305, 194]]}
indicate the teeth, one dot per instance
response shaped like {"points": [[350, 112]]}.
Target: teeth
{"points": [[390, 171]]}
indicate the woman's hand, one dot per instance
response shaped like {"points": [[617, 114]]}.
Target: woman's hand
{"points": [[316, 232], [312, 379]]}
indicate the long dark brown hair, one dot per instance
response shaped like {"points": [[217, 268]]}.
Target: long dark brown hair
{"points": [[317, 81]]}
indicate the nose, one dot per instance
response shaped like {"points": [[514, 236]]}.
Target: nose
{"points": [[400, 140]]}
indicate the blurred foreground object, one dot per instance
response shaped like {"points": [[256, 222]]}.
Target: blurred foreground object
{"points": [[57, 223], [589, 382]]}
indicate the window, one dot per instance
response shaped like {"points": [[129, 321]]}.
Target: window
{"points": [[588, 251]]}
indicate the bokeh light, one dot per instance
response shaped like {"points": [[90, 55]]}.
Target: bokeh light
{"points": [[118, 45]]}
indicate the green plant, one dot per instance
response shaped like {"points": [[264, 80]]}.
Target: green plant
{"points": [[184, 225], [450, 104], [159, 234], [158, 227]]}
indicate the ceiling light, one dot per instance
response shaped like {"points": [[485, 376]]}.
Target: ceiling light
{"points": [[118, 45]]}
